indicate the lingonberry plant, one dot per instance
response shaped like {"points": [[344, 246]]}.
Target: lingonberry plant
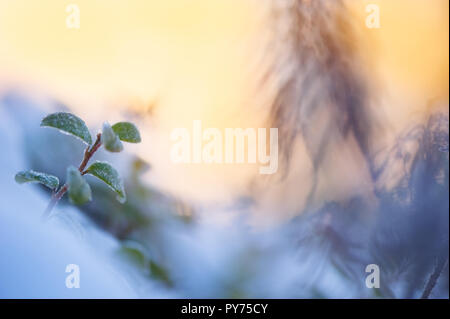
{"points": [[79, 190]]}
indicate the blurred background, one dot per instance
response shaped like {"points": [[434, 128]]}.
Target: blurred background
{"points": [[362, 115]]}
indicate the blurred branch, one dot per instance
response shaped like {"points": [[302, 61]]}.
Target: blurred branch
{"points": [[440, 265]]}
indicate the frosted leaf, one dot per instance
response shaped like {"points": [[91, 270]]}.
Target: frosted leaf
{"points": [[31, 176], [68, 123], [110, 139], [79, 189], [127, 132], [108, 174]]}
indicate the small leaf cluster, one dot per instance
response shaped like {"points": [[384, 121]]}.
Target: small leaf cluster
{"points": [[77, 187]]}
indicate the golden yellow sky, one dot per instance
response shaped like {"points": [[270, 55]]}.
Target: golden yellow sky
{"points": [[144, 49], [410, 52], [134, 48]]}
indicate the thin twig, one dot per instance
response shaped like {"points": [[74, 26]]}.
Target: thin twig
{"points": [[440, 265], [55, 198], [88, 153]]}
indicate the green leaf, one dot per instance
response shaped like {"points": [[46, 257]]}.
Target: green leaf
{"points": [[127, 132], [109, 175], [159, 273], [68, 123], [79, 189], [134, 252], [110, 139], [31, 176]]}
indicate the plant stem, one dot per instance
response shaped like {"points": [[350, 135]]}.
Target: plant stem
{"points": [[55, 198], [88, 153]]}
